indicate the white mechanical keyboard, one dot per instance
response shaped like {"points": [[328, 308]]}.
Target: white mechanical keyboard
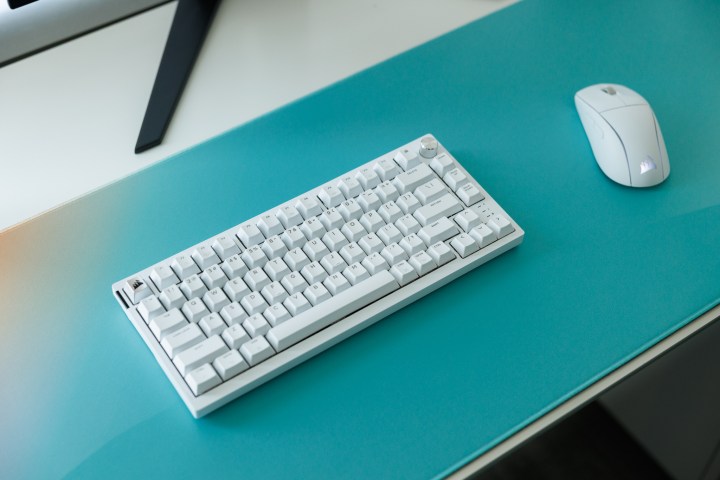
{"points": [[227, 315]]}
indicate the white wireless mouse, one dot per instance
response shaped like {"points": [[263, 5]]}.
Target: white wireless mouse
{"points": [[624, 135]]}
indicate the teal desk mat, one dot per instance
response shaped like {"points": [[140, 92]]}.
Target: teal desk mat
{"points": [[604, 273]]}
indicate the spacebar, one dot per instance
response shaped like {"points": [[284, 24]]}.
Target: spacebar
{"points": [[324, 314]]}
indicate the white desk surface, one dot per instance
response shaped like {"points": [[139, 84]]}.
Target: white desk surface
{"points": [[69, 116]]}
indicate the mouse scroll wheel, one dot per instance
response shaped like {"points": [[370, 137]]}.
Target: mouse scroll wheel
{"points": [[609, 90]]}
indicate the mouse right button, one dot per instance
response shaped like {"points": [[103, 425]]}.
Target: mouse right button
{"points": [[635, 126]]}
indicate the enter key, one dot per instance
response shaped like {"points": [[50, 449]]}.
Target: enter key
{"points": [[442, 207]]}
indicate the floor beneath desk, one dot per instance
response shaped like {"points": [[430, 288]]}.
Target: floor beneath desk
{"points": [[590, 445]]}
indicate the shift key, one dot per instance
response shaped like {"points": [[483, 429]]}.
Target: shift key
{"points": [[438, 231], [204, 352]]}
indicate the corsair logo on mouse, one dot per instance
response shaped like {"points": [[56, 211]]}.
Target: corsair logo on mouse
{"points": [[647, 165]]}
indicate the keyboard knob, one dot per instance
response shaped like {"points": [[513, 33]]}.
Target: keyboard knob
{"points": [[428, 147]]}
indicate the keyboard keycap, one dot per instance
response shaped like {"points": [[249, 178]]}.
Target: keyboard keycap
{"points": [[389, 234], [212, 324], [289, 216], [163, 276], [350, 210], [413, 178], [483, 235], [444, 206], [387, 192], [166, 323], [274, 293], [407, 158], [230, 364], [136, 289], [438, 231], [349, 186], [422, 263], [256, 279], [353, 231], [375, 263], [317, 293], [235, 336], [276, 314], [367, 178], [257, 350], [369, 201], [150, 308], [430, 191], [308, 206], [182, 339], [470, 194], [197, 355], [316, 249], [234, 267], [412, 244], [332, 310], [372, 222], [403, 273], [331, 196], [254, 257], [441, 253], [194, 310], [213, 277], [455, 179], [314, 272], [184, 266], [500, 225], [331, 219], [294, 283], [236, 289], [442, 164], [408, 203], [386, 169], [356, 273], [371, 243], [215, 300], [336, 283], [394, 253], [233, 313], [296, 259], [205, 256], [254, 303], [202, 379], [467, 220], [193, 287], [256, 325], [172, 297], [352, 253], [407, 224], [296, 303], [464, 244], [274, 247], [333, 263], [293, 238], [225, 247], [250, 235], [390, 212], [269, 225], [312, 228]]}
